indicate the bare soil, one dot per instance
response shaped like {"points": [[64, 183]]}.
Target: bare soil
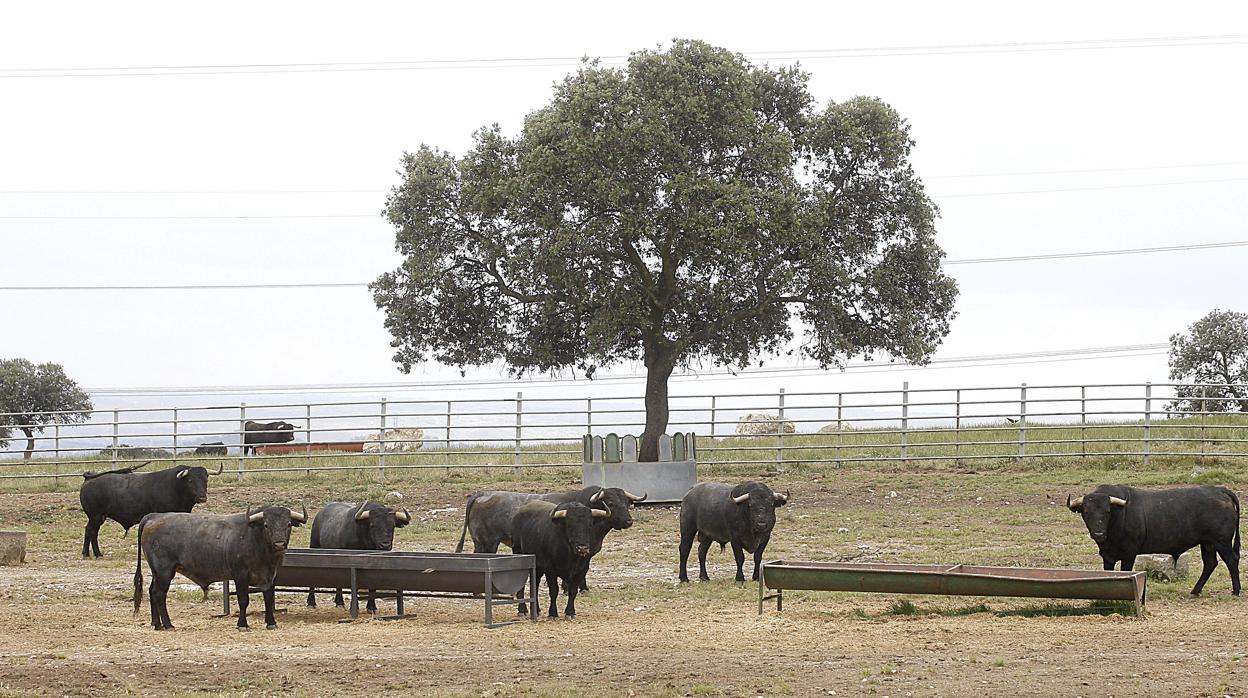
{"points": [[66, 626]]}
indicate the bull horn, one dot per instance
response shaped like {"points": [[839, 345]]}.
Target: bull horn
{"points": [[360, 514], [741, 498], [781, 498], [560, 514], [635, 498], [252, 518], [301, 518], [596, 496], [1074, 504], [220, 469], [403, 516], [1117, 501], [183, 473], [599, 513]]}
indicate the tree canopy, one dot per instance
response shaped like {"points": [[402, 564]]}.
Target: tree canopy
{"points": [[1212, 359], [35, 396], [690, 205]]}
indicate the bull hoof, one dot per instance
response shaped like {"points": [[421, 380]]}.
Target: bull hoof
{"points": [[244, 629], [270, 626]]}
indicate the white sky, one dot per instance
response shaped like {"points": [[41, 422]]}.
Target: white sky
{"points": [[971, 113]]}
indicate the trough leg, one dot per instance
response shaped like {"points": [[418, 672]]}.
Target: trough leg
{"points": [[533, 586], [489, 600], [355, 596], [398, 601]]}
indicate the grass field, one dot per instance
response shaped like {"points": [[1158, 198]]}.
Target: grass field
{"points": [[67, 627]]}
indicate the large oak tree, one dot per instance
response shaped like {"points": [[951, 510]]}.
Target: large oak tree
{"points": [[689, 205]]}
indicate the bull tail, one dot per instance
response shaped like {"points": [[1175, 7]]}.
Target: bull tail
{"points": [[89, 475], [138, 571], [1235, 499], [464, 533]]}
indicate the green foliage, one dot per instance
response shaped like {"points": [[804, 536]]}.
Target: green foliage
{"points": [[34, 396], [903, 607], [689, 205], [1215, 352]]}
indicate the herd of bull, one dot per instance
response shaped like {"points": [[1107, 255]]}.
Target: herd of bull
{"points": [[562, 530]]}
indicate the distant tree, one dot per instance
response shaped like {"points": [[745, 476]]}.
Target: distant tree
{"points": [[1212, 360], [689, 205], [33, 397]]}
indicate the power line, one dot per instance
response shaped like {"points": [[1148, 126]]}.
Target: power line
{"points": [[1092, 188], [563, 61], [384, 188], [460, 384], [186, 218], [1100, 253], [281, 286]]}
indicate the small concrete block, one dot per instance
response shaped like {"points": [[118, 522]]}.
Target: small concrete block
{"points": [[665, 448], [629, 448], [12, 547]]}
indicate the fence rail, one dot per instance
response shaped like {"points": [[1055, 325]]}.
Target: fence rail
{"points": [[1144, 420]]}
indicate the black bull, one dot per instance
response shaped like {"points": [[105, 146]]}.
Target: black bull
{"points": [[561, 538], [488, 515], [348, 526], [743, 515], [278, 432], [245, 548], [1127, 521], [126, 497]]}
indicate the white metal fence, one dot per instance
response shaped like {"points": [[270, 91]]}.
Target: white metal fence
{"points": [[902, 425]]}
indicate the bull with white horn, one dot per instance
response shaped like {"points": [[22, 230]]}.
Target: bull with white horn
{"points": [[743, 515], [350, 526]]}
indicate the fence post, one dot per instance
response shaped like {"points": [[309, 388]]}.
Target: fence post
{"points": [[712, 416], [307, 452], [57, 440], [589, 416], [957, 427], [1022, 421], [1203, 408], [115, 418], [780, 434], [1083, 421], [242, 437], [1148, 422], [381, 438], [905, 419], [840, 437], [447, 447], [519, 413], [175, 434]]}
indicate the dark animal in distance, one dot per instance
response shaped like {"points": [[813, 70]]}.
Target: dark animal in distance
{"points": [[278, 432], [244, 548], [488, 515], [561, 537], [212, 448], [347, 526], [743, 515], [1128, 521], [126, 497]]}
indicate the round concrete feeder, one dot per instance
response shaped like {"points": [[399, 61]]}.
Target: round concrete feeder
{"points": [[611, 461]]}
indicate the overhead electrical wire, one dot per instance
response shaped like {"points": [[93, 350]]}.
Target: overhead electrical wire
{"points": [[281, 286], [564, 61], [1125, 351]]}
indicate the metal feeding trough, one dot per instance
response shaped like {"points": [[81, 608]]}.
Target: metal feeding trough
{"points": [[955, 580], [611, 461], [436, 575]]}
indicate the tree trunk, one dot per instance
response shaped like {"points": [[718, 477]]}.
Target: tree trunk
{"points": [[659, 368], [30, 442]]}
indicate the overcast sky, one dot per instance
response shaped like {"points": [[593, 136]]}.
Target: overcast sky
{"points": [[1167, 115]]}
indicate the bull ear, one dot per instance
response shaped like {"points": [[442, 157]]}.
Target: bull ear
{"points": [[1075, 505]]}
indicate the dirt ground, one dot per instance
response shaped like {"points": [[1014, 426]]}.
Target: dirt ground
{"points": [[66, 626]]}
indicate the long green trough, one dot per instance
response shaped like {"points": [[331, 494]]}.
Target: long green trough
{"points": [[953, 580]]}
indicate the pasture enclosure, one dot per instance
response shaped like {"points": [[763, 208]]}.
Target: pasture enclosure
{"points": [[960, 425]]}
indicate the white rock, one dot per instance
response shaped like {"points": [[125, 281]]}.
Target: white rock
{"points": [[764, 424]]}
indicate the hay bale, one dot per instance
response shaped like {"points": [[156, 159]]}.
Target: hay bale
{"points": [[12, 547]]}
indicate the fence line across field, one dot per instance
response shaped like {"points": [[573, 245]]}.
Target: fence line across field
{"points": [[520, 430]]}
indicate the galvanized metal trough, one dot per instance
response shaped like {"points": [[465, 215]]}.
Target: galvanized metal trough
{"points": [[496, 579], [954, 580]]}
